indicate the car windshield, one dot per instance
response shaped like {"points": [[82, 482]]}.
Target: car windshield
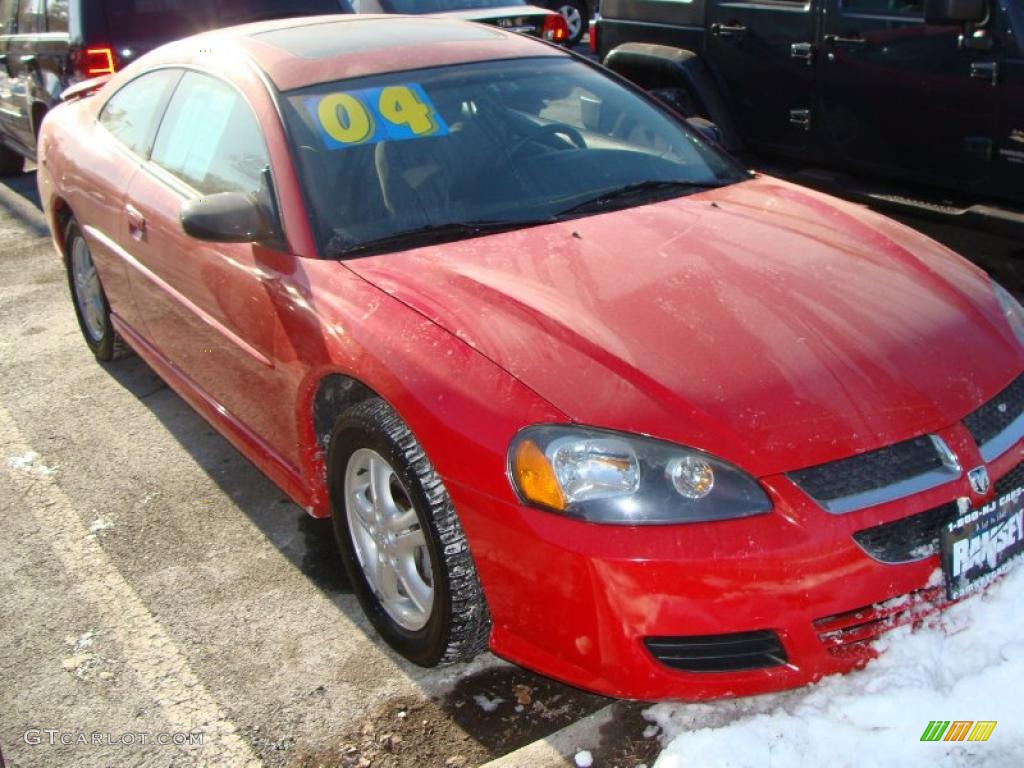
{"points": [[440, 6], [411, 157]]}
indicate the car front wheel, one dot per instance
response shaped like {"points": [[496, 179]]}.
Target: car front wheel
{"points": [[401, 542]]}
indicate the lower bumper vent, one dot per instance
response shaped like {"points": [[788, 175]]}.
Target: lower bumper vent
{"points": [[850, 634], [719, 653]]}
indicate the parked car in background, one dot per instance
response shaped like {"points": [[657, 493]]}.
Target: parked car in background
{"points": [[577, 15], [511, 15], [571, 382], [47, 45], [916, 104]]}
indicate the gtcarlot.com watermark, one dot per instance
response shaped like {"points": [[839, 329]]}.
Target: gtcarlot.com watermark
{"points": [[35, 737]]}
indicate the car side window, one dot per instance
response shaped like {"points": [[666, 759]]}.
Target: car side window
{"points": [[210, 138], [56, 15], [31, 17], [132, 113], [908, 7]]}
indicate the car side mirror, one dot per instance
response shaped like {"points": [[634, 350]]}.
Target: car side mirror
{"points": [[950, 12], [705, 128], [226, 217]]}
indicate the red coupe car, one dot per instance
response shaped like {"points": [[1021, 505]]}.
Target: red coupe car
{"points": [[575, 386]]}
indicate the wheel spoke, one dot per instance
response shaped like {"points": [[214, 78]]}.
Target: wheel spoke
{"points": [[420, 593], [387, 580], [403, 522], [409, 541]]}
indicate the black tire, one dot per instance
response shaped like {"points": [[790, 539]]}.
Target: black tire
{"points": [[108, 345], [570, 7], [11, 162], [459, 625]]}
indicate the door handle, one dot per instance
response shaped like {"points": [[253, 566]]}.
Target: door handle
{"points": [[985, 70], [136, 222], [728, 30], [803, 51], [838, 41]]}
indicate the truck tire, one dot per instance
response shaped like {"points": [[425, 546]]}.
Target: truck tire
{"points": [[11, 162]]}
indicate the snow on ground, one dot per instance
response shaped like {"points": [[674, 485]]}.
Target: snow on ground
{"points": [[966, 664]]}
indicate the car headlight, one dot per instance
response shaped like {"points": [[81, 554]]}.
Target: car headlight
{"points": [[1012, 311], [609, 477]]}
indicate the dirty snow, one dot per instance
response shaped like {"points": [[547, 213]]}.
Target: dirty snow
{"points": [[967, 664], [99, 525], [584, 759], [29, 462], [486, 704]]}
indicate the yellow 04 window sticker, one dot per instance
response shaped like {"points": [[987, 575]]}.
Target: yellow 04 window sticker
{"points": [[372, 115]]}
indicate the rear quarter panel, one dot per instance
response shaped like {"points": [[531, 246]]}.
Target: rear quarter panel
{"points": [[82, 174]]}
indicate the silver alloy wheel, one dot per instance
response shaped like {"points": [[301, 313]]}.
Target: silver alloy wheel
{"points": [[388, 539], [88, 292], [573, 19]]}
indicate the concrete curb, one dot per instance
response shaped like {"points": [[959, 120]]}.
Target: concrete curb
{"points": [[558, 749]]}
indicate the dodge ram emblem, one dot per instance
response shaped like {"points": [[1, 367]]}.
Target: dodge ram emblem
{"points": [[980, 482]]}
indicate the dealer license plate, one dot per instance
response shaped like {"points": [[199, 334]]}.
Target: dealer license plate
{"points": [[980, 543]]}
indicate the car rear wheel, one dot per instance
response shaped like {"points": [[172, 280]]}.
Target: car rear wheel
{"points": [[10, 161], [401, 542], [576, 18], [90, 301]]}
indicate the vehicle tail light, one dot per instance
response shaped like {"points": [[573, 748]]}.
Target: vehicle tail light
{"points": [[593, 36], [98, 60], [555, 29]]}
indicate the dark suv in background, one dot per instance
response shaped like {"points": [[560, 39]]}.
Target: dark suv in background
{"points": [[46, 45], [915, 105]]}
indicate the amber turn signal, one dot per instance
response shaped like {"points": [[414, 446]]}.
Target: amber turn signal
{"points": [[535, 478]]}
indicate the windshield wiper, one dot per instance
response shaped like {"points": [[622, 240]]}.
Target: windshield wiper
{"points": [[433, 234], [634, 194]]}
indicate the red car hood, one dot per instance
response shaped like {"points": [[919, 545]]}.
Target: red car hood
{"points": [[770, 325]]}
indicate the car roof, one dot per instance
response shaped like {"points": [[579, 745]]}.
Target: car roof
{"points": [[298, 52]]}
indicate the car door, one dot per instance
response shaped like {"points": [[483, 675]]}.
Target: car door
{"points": [[123, 134], [22, 62], [761, 54], [904, 98], [8, 25], [208, 307]]}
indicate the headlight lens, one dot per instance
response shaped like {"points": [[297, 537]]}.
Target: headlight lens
{"points": [[608, 477], [1012, 310]]}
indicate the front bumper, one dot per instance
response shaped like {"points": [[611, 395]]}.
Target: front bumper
{"points": [[576, 601]]}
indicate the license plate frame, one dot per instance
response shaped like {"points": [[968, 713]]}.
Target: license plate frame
{"points": [[979, 544]]}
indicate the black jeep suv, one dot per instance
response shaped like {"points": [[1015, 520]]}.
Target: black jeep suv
{"points": [[46, 45], [924, 96]]}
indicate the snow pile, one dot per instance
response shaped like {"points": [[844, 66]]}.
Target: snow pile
{"points": [[967, 664], [29, 462], [486, 704]]}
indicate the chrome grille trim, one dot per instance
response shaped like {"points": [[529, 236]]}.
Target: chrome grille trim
{"points": [[937, 469], [1004, 441]]}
